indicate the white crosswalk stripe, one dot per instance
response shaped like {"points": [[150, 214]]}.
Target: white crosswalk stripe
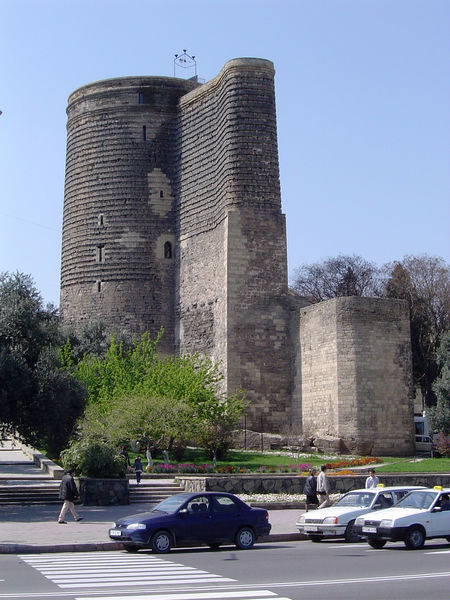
{"points": [[88, 570], [102, 570]]}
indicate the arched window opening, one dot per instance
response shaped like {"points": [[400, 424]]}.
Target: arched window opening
{"points": [[167, 250]]}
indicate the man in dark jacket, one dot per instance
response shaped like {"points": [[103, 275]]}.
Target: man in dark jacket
{"points": [[68, 492], [310, 490]]}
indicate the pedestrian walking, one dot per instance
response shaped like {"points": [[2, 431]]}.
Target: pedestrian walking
{"points": [[372, 481], [323, 487], [138, 467], [310, 490], [68, 492]]}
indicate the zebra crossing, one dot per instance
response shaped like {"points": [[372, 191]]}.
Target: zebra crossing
{"points": [[101, 570]]}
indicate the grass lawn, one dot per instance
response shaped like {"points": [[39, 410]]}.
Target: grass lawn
{"points": [[254, 460], [414, 465]]}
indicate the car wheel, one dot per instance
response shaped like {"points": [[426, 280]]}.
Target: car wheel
{"points": [[415, 538], [161, 542], [245, 538], [376, 543], [131, 548], [316, 538], [350, 533]]}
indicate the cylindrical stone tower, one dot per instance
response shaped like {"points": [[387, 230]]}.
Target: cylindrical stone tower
{"points": [[118, 240]]}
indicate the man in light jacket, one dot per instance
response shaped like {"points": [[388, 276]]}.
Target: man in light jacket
{"points": [[323, 487]]}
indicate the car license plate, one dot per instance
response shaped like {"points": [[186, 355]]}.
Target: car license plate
{"points": [[310, 528], [115, 532], [369, 529]]}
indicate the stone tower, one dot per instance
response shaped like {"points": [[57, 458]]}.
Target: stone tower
{"points": [[172, 219], [118, 242]]}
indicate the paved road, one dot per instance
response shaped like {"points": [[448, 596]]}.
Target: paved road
{"points": [[274, 570]]}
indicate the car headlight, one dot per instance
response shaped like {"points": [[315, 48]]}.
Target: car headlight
{"points": [[301, 519], [330, 521], [386, 523], [359, 521], [114, 525], [134, 526]]}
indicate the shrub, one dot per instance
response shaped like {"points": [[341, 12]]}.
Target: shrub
{"points": [[94, 459]]}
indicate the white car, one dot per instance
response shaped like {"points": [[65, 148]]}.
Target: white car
{"points": [[422, 514], [339, 520]]}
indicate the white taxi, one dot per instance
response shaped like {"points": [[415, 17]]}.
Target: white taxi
{"points": [[339, 520], [420, 515]]}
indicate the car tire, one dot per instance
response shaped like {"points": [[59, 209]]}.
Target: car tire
{"points": [[316, 538], [415, 538], [131, 548], [376, 543], [350, 534], [245, 538], [161, 542]]}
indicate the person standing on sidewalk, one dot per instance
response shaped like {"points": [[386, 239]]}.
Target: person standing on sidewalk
{"points": [[323, 487], [310, 490], [372, 481], [138, 467], [68, 492]]}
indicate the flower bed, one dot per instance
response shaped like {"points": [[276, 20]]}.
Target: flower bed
{"points": [[299, 469]]}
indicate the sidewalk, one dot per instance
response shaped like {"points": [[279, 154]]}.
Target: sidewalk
{"points": [[34, 528]]}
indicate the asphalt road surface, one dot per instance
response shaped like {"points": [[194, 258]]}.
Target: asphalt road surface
{"points": [[275, 571]]}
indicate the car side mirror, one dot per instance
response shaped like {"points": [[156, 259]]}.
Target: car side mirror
{"points": [[183, 511]]}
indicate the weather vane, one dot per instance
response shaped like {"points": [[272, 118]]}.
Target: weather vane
{"points": [[184, 61]]}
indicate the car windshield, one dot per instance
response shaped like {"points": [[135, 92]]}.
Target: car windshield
{"points": [[171, 504], [362, 499], [418, 499]]}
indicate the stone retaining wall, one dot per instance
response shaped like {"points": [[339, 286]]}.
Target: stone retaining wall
{"points": [[103, 492], [288, 484]]}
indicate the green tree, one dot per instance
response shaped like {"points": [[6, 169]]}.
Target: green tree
{"points": [[424, 282], [134, 394], [38, 401], [439, 415]]}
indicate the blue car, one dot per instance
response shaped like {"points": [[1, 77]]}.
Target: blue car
{"points": [[206, 518]]}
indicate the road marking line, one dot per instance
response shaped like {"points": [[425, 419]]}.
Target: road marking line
{"points": [[135, 583], [189, 596]]}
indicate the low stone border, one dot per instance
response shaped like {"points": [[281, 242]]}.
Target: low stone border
{"points": [[44, 463]]}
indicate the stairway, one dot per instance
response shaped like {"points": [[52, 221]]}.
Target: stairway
{"points": [[152, 491], [26, 493]]}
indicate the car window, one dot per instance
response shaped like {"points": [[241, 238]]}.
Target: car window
{"points": [[384, 500], [224, 505], [172, 503], [362, 499], [399, 494], [419, 499], [199, 504]]}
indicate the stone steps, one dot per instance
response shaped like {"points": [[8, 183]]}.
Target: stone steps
{"points": [[44, 493], [152, 493]]}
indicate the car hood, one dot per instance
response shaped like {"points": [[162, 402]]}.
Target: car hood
{"points": [[393, 513], [336, 511], [140, 517]]}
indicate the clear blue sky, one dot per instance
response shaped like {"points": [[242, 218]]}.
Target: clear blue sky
{"points": [[363, 97]]}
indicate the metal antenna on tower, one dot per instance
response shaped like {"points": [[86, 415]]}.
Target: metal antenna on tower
{"points": [[184, 61]]}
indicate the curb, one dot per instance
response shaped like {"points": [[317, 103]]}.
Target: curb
{"points": [[104, 546]]}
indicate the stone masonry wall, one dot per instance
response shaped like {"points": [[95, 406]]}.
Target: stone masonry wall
{"points": [[118, 227], [356, 374], [229, 211]]}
